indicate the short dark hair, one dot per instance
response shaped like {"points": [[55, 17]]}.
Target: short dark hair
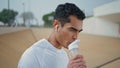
{"points": [[63, 11]]}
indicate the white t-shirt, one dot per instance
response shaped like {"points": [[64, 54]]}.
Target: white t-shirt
{"points": [[43, 55]]}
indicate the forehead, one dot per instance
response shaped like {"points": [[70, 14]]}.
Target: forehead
{"points": [[74, 22]]}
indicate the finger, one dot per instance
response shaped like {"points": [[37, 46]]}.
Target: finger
{"points": [[78, 60], [79, 65], [82, 66], [77, 56]]}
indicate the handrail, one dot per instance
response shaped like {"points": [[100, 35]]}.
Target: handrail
{"points": [[108, 62]]}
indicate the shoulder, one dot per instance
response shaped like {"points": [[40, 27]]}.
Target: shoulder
{"points": [[40, 43], [36, 48], [29, 58]]}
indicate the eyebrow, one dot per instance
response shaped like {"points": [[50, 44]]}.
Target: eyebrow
{"points": [[75, 29]]}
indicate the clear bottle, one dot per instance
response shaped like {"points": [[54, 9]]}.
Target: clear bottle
{"points": [[73, 49]]}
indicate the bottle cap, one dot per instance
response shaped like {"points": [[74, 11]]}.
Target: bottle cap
{"points": [[74, 44]]}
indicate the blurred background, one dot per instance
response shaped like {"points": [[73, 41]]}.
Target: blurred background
{"points": [[23, 22]]}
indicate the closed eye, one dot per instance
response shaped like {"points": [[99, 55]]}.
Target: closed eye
{"points": [[80, 30], [74, 29]]}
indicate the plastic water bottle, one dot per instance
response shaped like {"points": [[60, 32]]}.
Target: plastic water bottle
{"points": [[73, 48]]}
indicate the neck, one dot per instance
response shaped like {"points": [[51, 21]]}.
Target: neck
{"points": [[54, 42]]}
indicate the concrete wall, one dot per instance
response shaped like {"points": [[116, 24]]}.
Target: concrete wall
{"points": [[107, 28], [107, 9], [89, 25], [98, 26], [106, 20]]}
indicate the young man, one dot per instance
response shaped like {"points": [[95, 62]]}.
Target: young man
{"points": [[48, 53]]}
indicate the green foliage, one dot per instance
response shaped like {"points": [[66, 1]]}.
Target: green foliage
{"points": [[48, 19], [8, 16]]}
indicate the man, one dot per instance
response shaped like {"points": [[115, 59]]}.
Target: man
{"points": [[48, 53]]}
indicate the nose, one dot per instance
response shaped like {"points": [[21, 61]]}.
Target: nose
{"points": [[75, 35]]}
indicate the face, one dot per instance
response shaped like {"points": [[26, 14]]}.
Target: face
{"points": [[69, 32]]}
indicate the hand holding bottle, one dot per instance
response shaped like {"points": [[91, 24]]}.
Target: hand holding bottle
{"points": [[76, 60]]}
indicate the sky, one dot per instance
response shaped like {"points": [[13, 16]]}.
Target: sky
{"points": [[41, 7]]}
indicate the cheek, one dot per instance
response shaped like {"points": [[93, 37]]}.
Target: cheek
{"points": [[67, 35]]}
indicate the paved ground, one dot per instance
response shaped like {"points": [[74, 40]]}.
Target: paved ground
{"points": [[97, 50]]}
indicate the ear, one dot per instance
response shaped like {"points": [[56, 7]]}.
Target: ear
{"points": [[56, 25]]}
